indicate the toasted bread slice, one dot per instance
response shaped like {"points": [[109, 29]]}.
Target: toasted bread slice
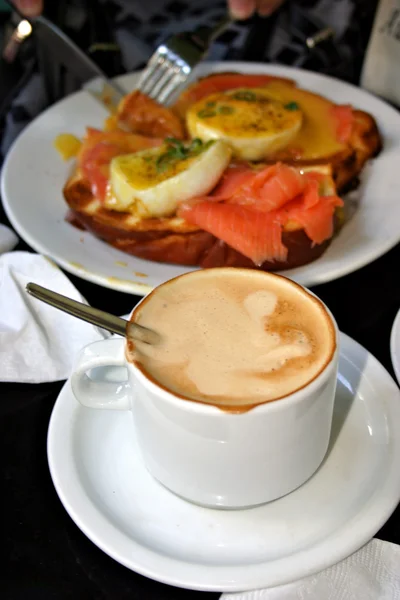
{"points": [[173, 240]]}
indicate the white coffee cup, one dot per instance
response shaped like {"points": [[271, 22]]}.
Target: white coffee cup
{"points": [[204, 454]]}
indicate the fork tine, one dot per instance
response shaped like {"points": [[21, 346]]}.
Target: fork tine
{"points": [[152, 73], [173, 61], [176, 81], [167, 74]]}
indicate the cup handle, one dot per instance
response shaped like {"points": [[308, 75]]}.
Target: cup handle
{"points": [[111, 391]]}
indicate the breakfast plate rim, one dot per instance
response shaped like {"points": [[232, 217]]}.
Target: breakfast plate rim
{"points": [[303, 275], [348, 538], [395, 345]]}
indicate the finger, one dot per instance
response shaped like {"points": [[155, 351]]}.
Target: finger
{"points": [[241, 9], [267, 7], [29, 8]]}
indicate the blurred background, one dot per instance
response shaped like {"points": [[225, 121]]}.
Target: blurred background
{"points": [[120, 35]]}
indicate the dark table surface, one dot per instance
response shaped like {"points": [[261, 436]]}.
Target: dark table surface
{"points": [[46, 555]]}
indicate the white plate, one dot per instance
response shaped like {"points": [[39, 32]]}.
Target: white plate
{"points": [[34, 175], [99, 476], [395, 346]]}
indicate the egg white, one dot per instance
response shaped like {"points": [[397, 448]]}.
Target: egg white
{"points": [[152, 195], [253, 129]]}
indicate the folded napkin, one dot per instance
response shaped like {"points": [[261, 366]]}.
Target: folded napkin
{"points": [[38, 343], [372, 573]]}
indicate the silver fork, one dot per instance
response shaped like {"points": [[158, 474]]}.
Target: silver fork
{"points": [[173, 61]]}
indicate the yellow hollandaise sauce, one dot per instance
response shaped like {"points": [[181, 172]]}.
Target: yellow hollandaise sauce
{"points": [[67, 145], [276, 121]]}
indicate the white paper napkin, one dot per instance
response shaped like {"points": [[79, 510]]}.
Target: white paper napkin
{"points": [[38, 343], [372, 573]]}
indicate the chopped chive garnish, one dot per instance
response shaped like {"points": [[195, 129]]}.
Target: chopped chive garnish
{"points": [[204, 113], [225, 110], [246, 95], [292, 106], [195, 145], [176, 151], [207, 145], [173, 141], [163, 162]]}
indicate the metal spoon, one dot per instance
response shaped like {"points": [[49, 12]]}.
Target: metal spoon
{"points": [[94, 315]]}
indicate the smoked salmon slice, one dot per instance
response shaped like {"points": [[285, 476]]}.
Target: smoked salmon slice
{"points": [[232, 180], [131, 142], [254, 234], [249, 210], [264, 189], [271, 188], [317, 220], [311, 193], [96, 166], [344, 116]]}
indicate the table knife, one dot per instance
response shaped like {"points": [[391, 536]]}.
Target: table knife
{"points": [[95, 81]]}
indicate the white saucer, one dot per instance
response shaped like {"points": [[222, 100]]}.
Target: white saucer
{"points": [[395, 346], [99, 476]]}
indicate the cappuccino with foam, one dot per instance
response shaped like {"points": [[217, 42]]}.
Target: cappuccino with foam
{"points": [[234, 338]]}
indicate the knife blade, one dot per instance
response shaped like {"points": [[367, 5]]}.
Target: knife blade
{"points": [[77, 61], [95, 81]]}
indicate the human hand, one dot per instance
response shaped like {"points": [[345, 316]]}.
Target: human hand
{"points": [[243, 9], [29, 8]]}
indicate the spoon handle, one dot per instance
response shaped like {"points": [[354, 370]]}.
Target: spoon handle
{"points": [[78, 309]]}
